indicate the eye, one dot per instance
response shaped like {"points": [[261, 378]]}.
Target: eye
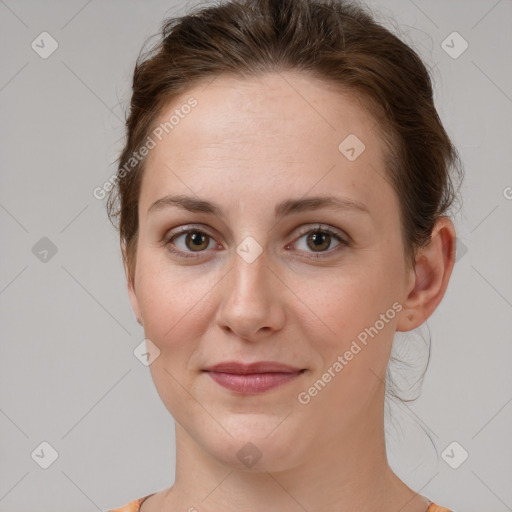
{"points": [[188, 241], [193, 240], [319, 240]]}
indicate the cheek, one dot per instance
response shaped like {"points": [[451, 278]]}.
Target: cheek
{"points": [[346, 300], [352, 361], [176, 308], [351, 315], [174, 302]]}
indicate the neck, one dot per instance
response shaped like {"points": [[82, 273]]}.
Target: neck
{"points": [[346, 473]]}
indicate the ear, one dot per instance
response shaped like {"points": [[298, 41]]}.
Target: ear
{"points": [[432, 271], [131, 292]]}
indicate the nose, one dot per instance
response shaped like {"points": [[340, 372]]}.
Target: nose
{"points": [[252, 305]]}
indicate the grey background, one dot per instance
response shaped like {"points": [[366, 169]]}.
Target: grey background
{"points": [[68, 375]]}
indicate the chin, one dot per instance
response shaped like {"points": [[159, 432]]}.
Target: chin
{"points": [[258, 444]]}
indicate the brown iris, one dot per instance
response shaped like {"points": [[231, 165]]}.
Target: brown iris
{"points": [[199, 240], [320, 240]]}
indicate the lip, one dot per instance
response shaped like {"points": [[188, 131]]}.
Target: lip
{"points": [[237, 368], [252, 378]]}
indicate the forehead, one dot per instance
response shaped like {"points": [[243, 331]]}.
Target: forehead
{"points": [[278, 133]]}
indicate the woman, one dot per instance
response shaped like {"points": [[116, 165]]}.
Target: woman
{"points": [[282, 201]]}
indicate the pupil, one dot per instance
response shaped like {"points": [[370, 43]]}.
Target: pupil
{"points": [[319, 239], [197, 239]]}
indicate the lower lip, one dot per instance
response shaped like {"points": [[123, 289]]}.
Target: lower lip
{"points": [[252, 383]]}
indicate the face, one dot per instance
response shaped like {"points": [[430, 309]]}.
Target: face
{"points": [[256, 265]]}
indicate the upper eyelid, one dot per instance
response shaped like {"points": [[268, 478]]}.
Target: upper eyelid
{"points": [[319, 226]]}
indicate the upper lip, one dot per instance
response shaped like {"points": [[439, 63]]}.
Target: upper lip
{"points": [[258, 367]]}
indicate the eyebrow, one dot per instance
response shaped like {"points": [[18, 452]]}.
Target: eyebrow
{"points": [[287, 207]]}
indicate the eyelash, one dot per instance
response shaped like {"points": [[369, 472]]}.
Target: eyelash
{"points": [[168, 242]]}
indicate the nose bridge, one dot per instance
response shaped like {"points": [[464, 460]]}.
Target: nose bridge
{"points": [[249, 277], [250, 298]]}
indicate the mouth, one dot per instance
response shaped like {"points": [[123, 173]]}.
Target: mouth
{"points": [[253, 378]]}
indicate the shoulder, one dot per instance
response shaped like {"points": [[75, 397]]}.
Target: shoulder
{"points": [[134, 506], [436, 508]]}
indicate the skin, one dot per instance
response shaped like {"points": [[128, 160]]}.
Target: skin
{"points": [[248, 145]]}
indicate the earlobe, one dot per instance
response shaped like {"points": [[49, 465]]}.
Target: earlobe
{"points": [[131, 293], [134, 301], [432, 271]]}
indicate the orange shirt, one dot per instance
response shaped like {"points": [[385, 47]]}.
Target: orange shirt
{"points": [[134, 506]]}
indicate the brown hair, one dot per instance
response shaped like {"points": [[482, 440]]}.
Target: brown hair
{"points": [[336, 41]]}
